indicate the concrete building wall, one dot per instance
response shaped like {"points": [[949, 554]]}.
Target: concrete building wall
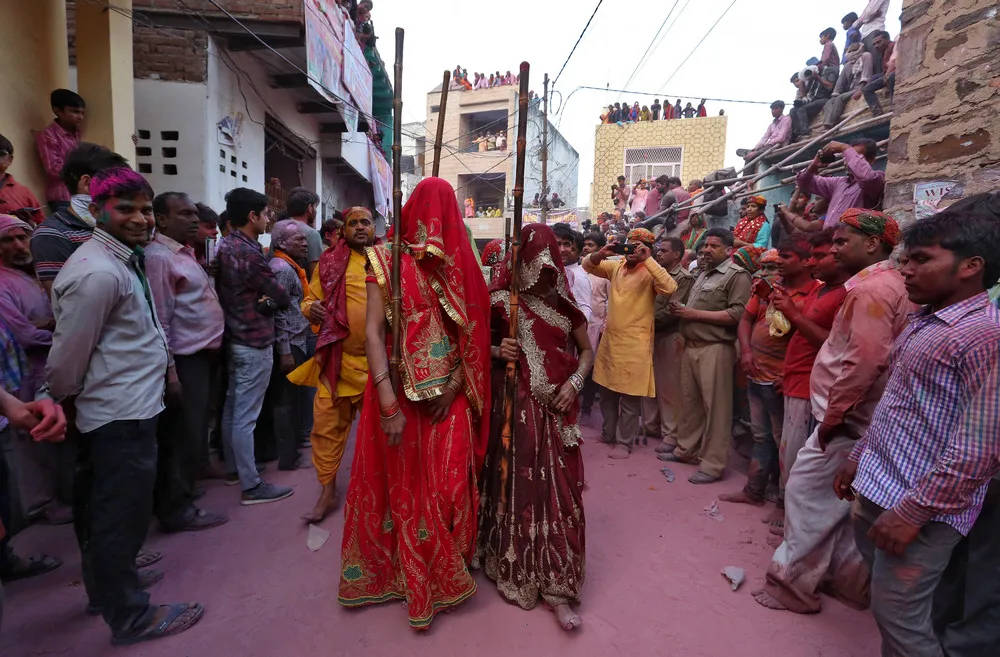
{"points": [[274, 10], [703, 141], [944, 125], [33, 35]]}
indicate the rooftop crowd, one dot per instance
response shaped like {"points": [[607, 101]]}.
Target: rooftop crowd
{"points": [[620, 113]]}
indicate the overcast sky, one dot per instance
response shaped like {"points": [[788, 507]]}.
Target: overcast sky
{"points": [[749, 55]]}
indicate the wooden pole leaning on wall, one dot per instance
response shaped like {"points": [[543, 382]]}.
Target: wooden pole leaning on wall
{"points": [[510, 382], [442, 109], [395, 359]]}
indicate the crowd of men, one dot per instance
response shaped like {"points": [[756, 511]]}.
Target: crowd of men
{"points": [[830, 81], [621, 112]]}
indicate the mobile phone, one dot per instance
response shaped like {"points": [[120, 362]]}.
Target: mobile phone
{"points": [[623, 248]]}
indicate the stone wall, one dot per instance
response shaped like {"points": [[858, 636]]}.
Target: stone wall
{"points": [[703, 140], [945, 124]]}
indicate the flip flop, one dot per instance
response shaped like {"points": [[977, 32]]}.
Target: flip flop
{"points": [[147, 558], [147, 578], [179, 618], [24, 568]]}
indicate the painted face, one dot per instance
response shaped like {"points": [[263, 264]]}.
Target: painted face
{"points": [[15, 249], [297, 246], [791, 264], [825, 267], [359, 232], [130, 220]]}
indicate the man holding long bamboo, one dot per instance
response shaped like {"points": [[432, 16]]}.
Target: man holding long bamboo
{"points": [[335, 304]]}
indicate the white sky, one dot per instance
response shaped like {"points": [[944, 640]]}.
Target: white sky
{"points": [[748, 56]]}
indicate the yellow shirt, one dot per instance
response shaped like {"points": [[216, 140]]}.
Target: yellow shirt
{"points": [[625, 356], [354, 364]]}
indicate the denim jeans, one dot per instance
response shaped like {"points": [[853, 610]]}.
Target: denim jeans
{"points": [[767, 413], [902, 589], [249, 374]]}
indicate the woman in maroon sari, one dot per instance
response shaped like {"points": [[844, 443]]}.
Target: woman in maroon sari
{"points": [[410, 515], [531, 521]]}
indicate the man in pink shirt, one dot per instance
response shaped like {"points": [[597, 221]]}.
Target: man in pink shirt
{"points": [[778, 133], [56, 141]]}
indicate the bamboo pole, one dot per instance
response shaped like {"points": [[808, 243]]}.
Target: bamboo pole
{"points": [[510, 387], [395, 360], [442, 109]]}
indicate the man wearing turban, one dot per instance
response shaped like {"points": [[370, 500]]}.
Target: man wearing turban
{"points": [[847, 381], [624, 364]]}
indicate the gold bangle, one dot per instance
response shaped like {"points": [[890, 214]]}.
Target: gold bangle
{"points": [[381, 376]]}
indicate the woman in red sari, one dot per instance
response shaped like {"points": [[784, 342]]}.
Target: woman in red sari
{"points": [[531, 519], [410, 515]]}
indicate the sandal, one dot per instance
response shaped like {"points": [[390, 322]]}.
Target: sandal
{"points": [[23, 568], [147, 578], [147, 558], [180, 617]]}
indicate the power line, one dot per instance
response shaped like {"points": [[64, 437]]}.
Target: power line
{"points": [[578, 39], [695, 49], [642, 59]]}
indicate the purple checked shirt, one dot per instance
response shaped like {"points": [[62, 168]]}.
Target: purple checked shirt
{"points": [[934, 440]]}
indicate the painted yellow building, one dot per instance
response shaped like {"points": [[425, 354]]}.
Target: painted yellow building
{"points": [[686, 148], [35, 43]]}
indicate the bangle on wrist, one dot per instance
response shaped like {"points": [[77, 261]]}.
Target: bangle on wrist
{"points": [[454, 384], [381, 376], [390, 411]]}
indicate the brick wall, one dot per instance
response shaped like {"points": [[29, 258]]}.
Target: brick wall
{"points": [[265, 10], [177, 55], [944, 124]]}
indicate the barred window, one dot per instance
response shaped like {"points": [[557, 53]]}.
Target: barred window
{"points": [[651, 163]]}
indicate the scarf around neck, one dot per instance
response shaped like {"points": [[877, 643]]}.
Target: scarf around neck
{"points": [[80, 205]]}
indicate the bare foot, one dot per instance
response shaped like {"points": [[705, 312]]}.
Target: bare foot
{"points": [[567, 618], [327, 504], [765, 599], [619, 452], [775, 541], [740, 498], [776, 518]]}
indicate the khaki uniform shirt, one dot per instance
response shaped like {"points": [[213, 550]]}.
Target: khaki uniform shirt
{"points": [[725, 287]]}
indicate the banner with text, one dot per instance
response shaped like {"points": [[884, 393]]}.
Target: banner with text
{"points": [[357, 75], [381, 177]]}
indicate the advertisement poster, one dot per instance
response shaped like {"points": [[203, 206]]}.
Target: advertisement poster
{"points": [[927, 197], [381, 176], [324, 50], [357, 75]]}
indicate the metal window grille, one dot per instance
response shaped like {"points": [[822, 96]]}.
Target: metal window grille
{"points": [[651, 163]]}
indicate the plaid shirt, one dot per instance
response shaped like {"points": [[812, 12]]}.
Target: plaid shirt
{"points": [[54, 144], [934, 439], [244, 278]]}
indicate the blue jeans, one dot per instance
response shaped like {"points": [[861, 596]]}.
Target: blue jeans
{"points": [[249, 374], [767, 414]]}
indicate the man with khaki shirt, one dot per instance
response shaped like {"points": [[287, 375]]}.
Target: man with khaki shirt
{"points": [[660, 413], [708, 324], [624, 363]]}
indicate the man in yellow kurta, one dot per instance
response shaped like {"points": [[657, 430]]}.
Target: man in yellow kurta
{"points": [[624, 364], [335, 304]]}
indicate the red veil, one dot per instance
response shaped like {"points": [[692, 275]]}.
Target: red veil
{"points": [[434, 235]]}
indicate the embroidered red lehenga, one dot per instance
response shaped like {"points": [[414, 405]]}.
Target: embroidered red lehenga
{"points": [[410, 513], [532, 544]]}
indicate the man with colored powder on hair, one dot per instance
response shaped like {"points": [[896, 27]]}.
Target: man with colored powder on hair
{"points": [[847, 381], [188, 309], [709, 323], [624, 365], [336, 304], [110, 354], [921, 472], [763, 343]]}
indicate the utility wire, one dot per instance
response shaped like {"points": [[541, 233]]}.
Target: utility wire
{"points": [[578, 39], [642, 59], [695, 49]]}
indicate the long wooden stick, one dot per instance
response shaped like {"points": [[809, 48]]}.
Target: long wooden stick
{"points": [[442, 109], [510, 387], [395, 360]]}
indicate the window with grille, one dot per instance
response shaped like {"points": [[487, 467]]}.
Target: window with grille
{"points": [[651, 163]]}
